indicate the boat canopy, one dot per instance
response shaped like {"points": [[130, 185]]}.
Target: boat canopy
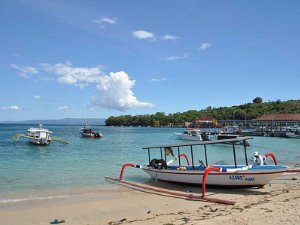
{"points": [[229, 140], [232, 141], [41, 130]]}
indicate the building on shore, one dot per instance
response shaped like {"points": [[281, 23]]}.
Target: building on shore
{"points": [[280, 120], [208, 125], [275, 125]]}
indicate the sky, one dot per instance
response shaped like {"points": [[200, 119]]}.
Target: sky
{"points": [[95, 59]]}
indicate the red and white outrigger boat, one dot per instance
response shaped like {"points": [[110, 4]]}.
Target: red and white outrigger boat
{"points": [[205, 174]]}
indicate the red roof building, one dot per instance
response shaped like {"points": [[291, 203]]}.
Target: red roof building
{"points": [[207, 122]]}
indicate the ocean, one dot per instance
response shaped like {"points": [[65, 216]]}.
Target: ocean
{"points": [[29, 171]]}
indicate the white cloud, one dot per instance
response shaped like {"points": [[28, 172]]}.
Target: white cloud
{"points": [[158, 79], [104, 20], [205, 46], [169, 37], [24, 71], [116, 93], [36, 97], [141, 34], [64, 108], [11, 107], [115, 88], [78, 76], [171, 58]]}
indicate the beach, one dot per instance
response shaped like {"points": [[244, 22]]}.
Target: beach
{"points": [[277, 202]]}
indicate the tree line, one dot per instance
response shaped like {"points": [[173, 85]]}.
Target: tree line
{"points": [[249, 111]]}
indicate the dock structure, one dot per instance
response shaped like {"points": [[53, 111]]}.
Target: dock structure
{"points": [[274, 125]]}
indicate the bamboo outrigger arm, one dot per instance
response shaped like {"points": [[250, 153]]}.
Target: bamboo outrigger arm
{"points": [[169, 193], [61, 140], [16, 137]]}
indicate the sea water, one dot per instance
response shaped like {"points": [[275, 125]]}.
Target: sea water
{"points": [[30, 171]]}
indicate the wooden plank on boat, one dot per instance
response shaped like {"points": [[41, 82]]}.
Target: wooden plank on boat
{"points": [[231, 140], [170, 193]]}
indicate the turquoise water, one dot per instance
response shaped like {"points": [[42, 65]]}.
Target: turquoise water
{"points": [[30, 171]]}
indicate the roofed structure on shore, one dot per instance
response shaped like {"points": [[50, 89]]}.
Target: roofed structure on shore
{"points": [[283, 117]]}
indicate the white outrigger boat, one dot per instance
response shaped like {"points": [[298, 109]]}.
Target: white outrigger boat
{"points": [[214, 175], [39, 136]]}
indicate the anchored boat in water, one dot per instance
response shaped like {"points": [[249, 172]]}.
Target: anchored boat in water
{"points": [[229, 137], [87, 132], [39, 136], [192, 135], [216, 175]]}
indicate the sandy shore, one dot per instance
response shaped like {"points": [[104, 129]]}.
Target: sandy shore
{"points": [[278, 203]]}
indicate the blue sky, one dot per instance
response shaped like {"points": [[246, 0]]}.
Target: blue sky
{"points": [[62, 59]]}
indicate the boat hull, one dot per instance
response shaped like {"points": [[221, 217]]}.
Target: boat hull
{"points": [[93, 136], [292, 135], [39, 141], [187, 137], [241, 178]]}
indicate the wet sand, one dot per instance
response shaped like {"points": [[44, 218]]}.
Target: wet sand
{"points": [[277, 203]]}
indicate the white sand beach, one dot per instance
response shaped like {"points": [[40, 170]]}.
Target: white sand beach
{"points": [[277, 203]]}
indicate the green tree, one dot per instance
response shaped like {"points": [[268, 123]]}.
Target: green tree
{"points": [[257, 100]]}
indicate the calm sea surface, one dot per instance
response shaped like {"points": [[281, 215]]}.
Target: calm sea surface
{"points": [[29, 171]]}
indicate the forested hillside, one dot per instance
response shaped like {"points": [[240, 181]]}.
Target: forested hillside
{"points": [[250, 110]]}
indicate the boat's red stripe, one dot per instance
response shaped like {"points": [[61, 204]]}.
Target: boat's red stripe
{"points": [[201, 173], [293, 171]]}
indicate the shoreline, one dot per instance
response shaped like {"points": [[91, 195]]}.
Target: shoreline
{"points": [[276, 202], [27, 196], [69, 192]]}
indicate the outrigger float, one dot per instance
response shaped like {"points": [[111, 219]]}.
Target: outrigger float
{"points": [[235, 176]]}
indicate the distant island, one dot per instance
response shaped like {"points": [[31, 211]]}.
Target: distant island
{"points": [[247, 111], [65, 121]]}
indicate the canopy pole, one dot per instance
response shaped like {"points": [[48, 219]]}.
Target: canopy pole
{"points": [[161, 155], [234, 154], [179, 157], [205, 155], [192, 154], [165, 156], [149, 155], [245, 151]]}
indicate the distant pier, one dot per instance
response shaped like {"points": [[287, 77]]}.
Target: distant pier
{"points": [[264, 133]]}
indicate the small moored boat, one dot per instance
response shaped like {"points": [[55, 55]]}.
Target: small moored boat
{"points": [[192, 135], [87, 132], [229, 137], [293, 132]]}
